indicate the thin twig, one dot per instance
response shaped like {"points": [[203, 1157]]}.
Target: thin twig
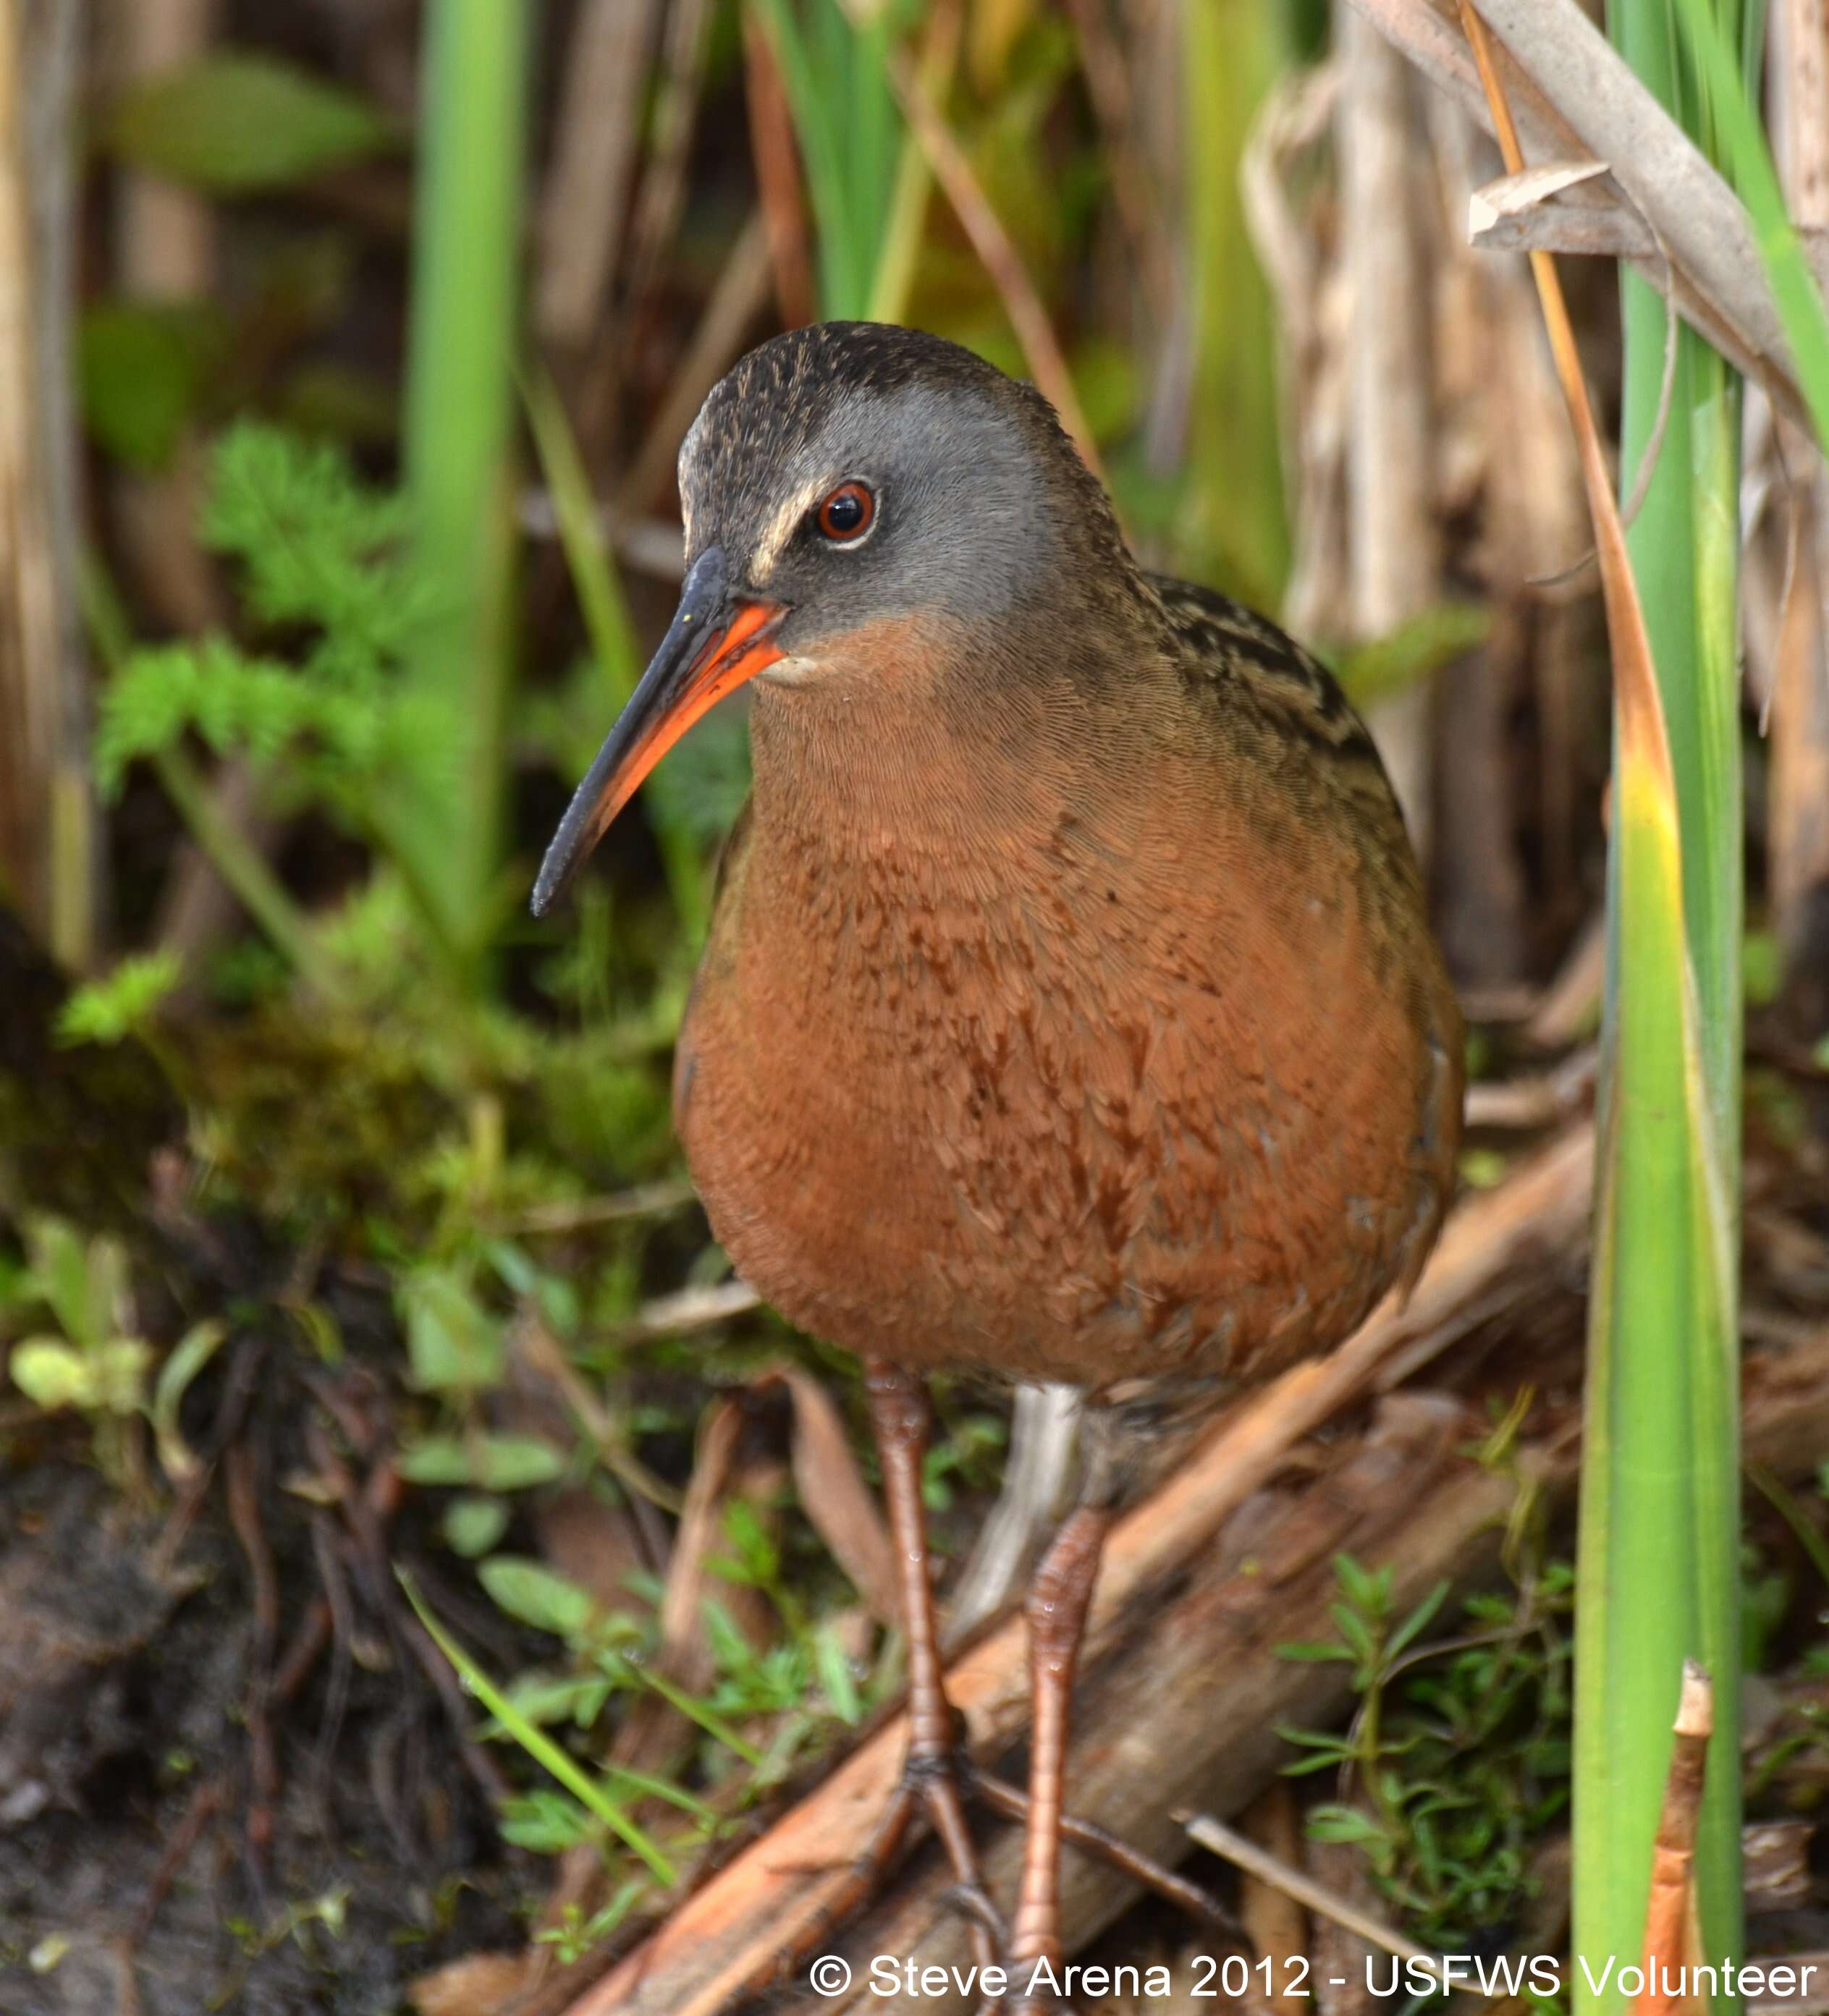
{"points": [[1245, 1854], [595, 134], [202, 1807], [244, 1516], [736, 301], [646, 1200], [1647, 468], [543, 1351], [662, 198], [778, 176], [1639, 708], [690, 1309], [1138, 202]]}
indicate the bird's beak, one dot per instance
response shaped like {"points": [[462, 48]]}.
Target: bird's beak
{"points": [[715, 642]]}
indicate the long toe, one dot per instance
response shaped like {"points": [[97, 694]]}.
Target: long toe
{"points": [[972, 1902], [935, 1789]]}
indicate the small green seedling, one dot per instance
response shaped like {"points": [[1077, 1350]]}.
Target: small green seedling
{"points": [[95, 1364]]}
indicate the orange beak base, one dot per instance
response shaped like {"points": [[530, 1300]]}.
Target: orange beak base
{"points": [[714, 643]]}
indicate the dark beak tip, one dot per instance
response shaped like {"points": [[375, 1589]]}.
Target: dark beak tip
{"points": [[702, 605], [549, 887]]}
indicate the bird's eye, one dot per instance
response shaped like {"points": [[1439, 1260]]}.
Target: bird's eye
{"points": [[847, 514]]}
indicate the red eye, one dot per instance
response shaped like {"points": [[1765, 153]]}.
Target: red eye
{"points": [[847, 514]]}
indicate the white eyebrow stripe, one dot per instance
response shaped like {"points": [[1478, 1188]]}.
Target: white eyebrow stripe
{"points": [[773, 542]]}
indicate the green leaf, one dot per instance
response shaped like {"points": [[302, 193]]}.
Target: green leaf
{"points": [[1343, 1823], [1418, 1620], [1312, 1651], [453, 1344], [848, 132], [1368, 1593], [188, 1357], [473, 1525], [1356, 1632], [547, 1697], [109, 1377], [538, 1745], [51, 1375], [758, 1559], [733, 1652], [60, 1274], [1428, 641], [1304, 1767], [545, 1821], [489, 1463], [836, 1676], [234, 122], [535, 1594], [573, 1940], [119, 1368], [257, 705], [145, 369], [109, 1010]]}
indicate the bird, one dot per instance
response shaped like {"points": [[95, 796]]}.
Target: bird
{"points": [[1069, 1011]]}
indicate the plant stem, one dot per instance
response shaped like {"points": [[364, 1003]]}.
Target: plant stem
{"points": [[901, 245], [459, 407], [1231, 523], [241, 865], [244, 869], [1661, 1501]]}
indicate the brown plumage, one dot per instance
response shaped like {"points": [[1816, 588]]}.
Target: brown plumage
{"points": [[1070, 1011], [1082, 1059]]}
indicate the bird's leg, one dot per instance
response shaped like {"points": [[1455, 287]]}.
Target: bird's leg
{"points": [[901, 1417], [1059, 1599]]}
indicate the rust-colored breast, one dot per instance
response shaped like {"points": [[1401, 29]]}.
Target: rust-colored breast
{"points": [[1141, 1070]]}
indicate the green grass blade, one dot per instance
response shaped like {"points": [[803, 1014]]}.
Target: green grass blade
{"points": [[459, 410], [850, 138], [590, 1793], [1709, 47], [1659, 1562], [1231, 526], [714, 1725], [815, 94]]}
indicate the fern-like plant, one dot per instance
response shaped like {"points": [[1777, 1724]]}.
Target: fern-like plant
{"points": [[312, 689]]}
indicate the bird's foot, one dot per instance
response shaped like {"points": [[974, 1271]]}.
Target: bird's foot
{"points": [[935, 1785], [939, 1787]]}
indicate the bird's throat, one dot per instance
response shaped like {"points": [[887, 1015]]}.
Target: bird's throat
{"points": [[910, 747]]}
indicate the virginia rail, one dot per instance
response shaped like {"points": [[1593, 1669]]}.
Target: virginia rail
{"points": [[1069, 1011]]}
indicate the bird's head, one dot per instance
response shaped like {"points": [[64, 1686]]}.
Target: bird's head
{"points": [[843, 476]]}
